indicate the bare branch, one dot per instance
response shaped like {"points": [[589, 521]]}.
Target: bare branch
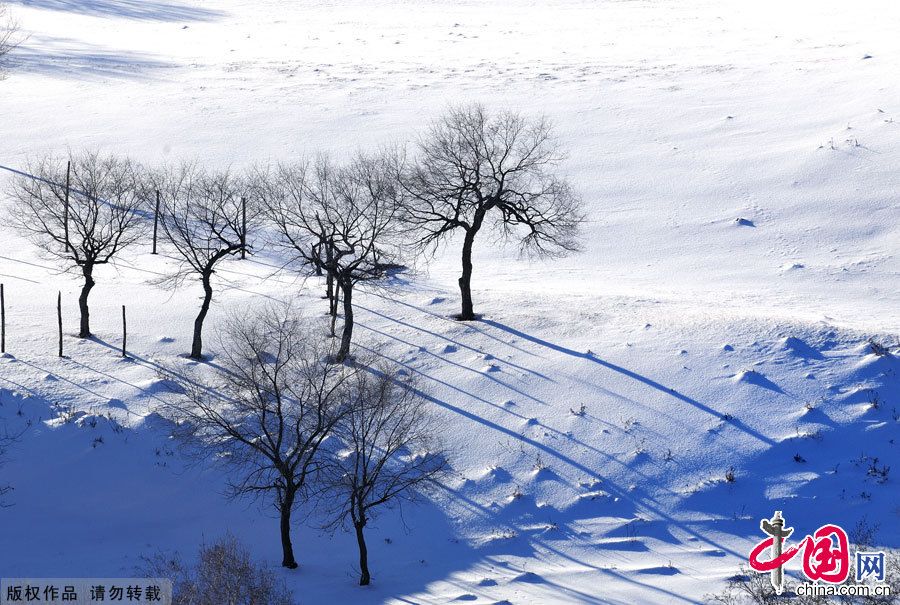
{"points": [[342, 221], [471, 162], [8, 36], [274, 400], [80, 212], [202, 218], [390, 453], [476, 168]]}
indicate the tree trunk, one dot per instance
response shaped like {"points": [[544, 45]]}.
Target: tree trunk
{"points": [[329, 288], [317, 251], [59, 320], [364, 577], [347, 333], [85, 330], [465, 280], [286, 547], [197, 345], [155, 222], [243, 228], [333, 302]]}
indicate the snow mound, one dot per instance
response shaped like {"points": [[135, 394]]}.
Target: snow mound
{"points": [[528, 577], [799, 348], [755, 378]]}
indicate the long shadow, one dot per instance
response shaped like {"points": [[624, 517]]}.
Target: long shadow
{"points": [[474, 417], [93, 63], [532, 543], [58, 376], [455, 363], [444, 383], [144, 10], [669, 594], [21, 387], [165, 371], [469, 324], [550, 429], [141, 212], [63, 378], [828, 474], [117, 379], [633, 375], [101, 511], [647, 502], [33, 281], [450, 340], [25, 262]]}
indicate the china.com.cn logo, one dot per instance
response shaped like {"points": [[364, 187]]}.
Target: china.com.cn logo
{"points": [[826, 559]]}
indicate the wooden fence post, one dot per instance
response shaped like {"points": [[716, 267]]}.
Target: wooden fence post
{"points": [[59, 321], [155, 221], [66, 208], [124, 333], [243, 228]]}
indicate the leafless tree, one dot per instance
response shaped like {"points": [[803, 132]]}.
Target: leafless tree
{"points": [[339, 220], [474, 168], [203, 216], [284, 193], [8, 30], [390, 453], [81, 212], [275, 398]]}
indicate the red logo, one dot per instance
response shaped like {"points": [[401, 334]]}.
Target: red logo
{"points": [[826, 553]]}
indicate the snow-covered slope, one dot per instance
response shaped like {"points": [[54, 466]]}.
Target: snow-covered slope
{"points": [[696, 343]]}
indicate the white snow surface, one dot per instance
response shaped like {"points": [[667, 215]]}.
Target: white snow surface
{"points": [[696, 341]]}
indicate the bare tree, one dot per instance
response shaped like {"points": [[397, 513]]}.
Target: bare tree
{"points": [[203, 216], [276, 397], [8, 30], [390, 453], [339, 220], [80, 213], [284, 194], [475, 167]]}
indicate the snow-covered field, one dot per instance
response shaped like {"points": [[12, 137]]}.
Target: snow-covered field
{"points": [[697, 343]]}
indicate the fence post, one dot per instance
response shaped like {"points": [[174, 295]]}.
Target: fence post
{"points": [[243, 228], [155, 221], [2, 321], [124, 333], [66, 208], [59, 321]]}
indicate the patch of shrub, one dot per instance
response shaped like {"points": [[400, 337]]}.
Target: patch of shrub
{"points": [[224, 573]]}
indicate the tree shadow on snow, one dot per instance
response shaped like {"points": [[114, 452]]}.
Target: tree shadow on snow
{"points": [[103, 493], [628, 501], [455, 343], [145, 10], [630, 374], [62, 59], [826, 473], [411, 369]]}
